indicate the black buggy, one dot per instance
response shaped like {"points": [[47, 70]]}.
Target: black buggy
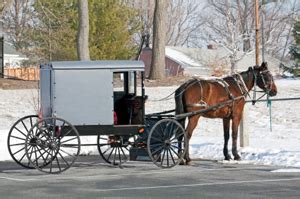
{"points": [[105, 99]]}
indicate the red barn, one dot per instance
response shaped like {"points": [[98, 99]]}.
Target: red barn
{"points": [[173, 67]]}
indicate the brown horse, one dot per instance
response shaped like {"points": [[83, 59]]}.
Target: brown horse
{"points": [[222, 98]]}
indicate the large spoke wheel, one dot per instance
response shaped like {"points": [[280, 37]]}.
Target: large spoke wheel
{"points": [[114, 149], [166, 143], [52, 145], [16, 140]]}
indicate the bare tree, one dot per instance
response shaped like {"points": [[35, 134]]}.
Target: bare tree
{"points": [[16, 19], [183, 22], [83, 31], [157, 70], [231, 25], [3, 5]]}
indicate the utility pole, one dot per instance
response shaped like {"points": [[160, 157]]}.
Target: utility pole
{"points": [[244, 130], [256, 33], [1, 51]]}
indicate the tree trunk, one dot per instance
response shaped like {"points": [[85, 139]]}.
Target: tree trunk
{"points": [[83, 52], [157, 70]]}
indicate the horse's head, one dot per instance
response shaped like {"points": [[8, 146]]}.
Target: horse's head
{"points": [[264, 79]]}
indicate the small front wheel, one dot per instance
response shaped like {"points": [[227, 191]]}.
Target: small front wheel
{"points": [[52, 145], [166, 143]]}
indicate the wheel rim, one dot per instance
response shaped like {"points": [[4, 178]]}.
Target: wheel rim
{"points": [[17, 137], [114, 149], [164, 148], [52, 145]]}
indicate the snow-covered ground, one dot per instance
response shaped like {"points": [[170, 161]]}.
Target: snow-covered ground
{"points": [[281, 146]]}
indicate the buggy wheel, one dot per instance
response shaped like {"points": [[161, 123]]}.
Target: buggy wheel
{"points": [[114, 149], [16, 140], [166, 143], [52, 145]]}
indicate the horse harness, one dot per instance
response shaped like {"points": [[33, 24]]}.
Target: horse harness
{"points": [[238, 79]]}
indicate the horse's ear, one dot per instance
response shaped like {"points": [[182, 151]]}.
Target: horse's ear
{"points": [[264, 66]]}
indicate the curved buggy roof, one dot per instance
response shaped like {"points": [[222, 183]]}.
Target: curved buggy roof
{"points": [[114, 65]]}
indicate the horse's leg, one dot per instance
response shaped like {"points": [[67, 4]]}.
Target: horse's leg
{"points": [[180, 141], [193, 121], [235, 125], [226, 126]]}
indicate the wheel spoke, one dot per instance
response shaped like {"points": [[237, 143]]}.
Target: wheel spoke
{"points": [[20, 131], [18, 138], [157, 139], [51, 163], [175, 152], [123, 151], [163, 157], [25, 126], [181, 134], [111, 152], [22, 157], [67, 133], [63, 159], [106, 150], [58, 163], [19, 150], [29, 157], [172, 157], [168, 157], [170, 134], [31, 123], [175, 146], [67, 153], [114, 157], [69, 140], [119, 153], [23, 143], [103, 145], [41, 155], [154, 152]]}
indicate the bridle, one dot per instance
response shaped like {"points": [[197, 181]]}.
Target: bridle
{"points": [[266, 84]]}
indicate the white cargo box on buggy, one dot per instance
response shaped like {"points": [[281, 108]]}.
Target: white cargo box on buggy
{"points": [[81, 91]]}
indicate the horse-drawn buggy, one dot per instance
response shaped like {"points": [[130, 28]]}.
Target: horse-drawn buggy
{"points": [[106, 99]]}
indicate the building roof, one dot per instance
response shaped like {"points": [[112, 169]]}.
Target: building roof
{"points": [[114, 65], [8, 49], [205, 57], [181, 58]]}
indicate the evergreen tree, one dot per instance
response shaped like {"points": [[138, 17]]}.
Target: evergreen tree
{"points": [[52, 32], [295, 48], [112, 26]]}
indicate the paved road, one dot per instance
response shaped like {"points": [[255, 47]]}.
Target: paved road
{"points": [[90, 178]]}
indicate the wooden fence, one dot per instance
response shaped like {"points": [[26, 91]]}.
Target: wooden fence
{"points": [[25, 73]]}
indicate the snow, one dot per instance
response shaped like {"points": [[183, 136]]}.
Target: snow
{"points": [[180, 57], [278, 147]]}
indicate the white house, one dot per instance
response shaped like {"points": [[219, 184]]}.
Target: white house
{"points": [[12, 57], [214, 58]]}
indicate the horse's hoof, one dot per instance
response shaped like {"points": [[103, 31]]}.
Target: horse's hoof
{"points": [[237, 157], [181, 162], [228, 158], [189, 163]]}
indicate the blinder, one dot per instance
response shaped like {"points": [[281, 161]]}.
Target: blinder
{"points": [[267, 80]]}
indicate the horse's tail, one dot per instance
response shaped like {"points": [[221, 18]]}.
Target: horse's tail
{"points": [[179, 105]]}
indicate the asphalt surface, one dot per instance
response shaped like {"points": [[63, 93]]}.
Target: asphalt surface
{"points": [[91, 178]]}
